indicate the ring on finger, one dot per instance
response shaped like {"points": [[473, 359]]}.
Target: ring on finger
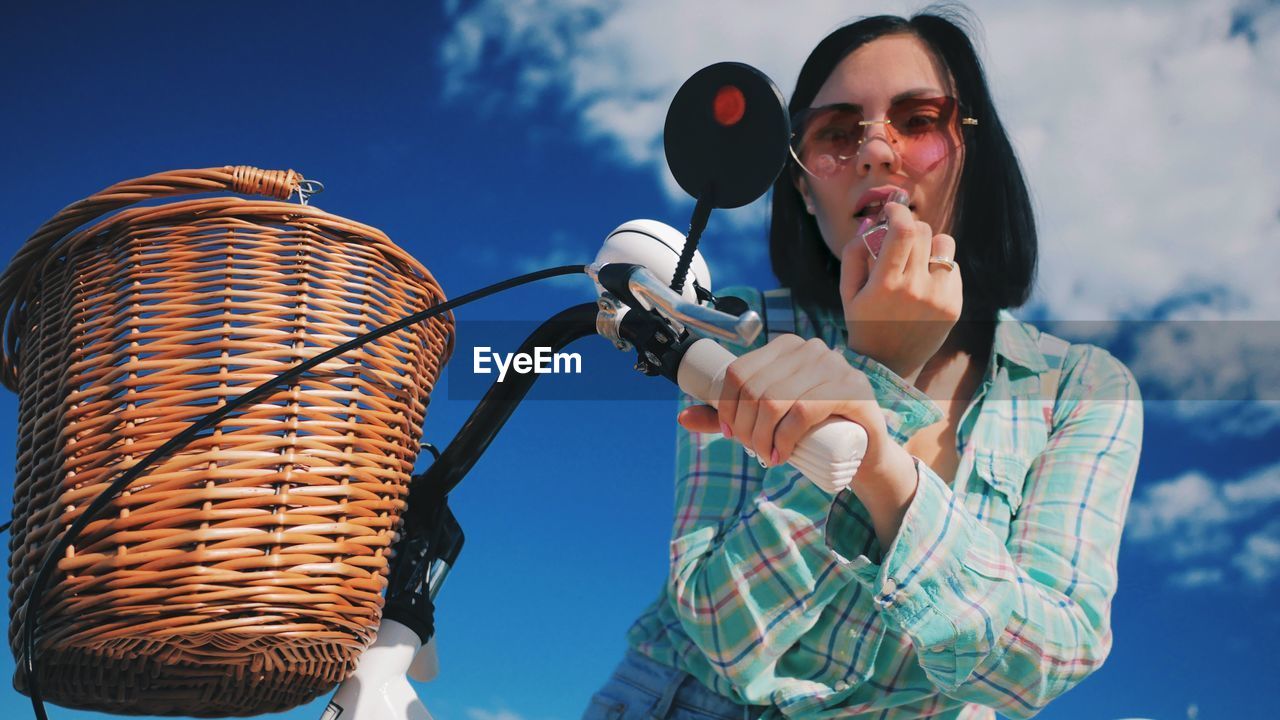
{"points": [[945, 262]]}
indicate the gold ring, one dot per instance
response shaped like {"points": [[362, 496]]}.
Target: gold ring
{"points": [[946, 262]]}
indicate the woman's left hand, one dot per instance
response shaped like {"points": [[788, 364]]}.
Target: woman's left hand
{"points": [[900, 306]]}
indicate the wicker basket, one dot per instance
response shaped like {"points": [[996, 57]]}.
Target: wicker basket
{"points": [[243, 574]]}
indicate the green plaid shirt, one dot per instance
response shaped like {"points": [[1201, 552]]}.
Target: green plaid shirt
{"points": [[995, 593]]}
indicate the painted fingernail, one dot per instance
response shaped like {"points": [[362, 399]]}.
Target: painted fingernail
{"points": [[750, 453], [864, 226], [724, 429], [763, 464], [773, 457]]}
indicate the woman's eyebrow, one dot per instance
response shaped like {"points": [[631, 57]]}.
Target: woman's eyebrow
{"points": [[912, 93], [916, 92]]}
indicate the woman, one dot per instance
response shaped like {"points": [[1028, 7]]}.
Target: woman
{"points": [[970, 564]]}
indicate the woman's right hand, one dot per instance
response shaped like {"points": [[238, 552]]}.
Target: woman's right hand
{"points": [[898, 307], [774, 395]]}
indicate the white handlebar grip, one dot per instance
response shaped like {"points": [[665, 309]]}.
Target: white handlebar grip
{"points": [[828, 455]]}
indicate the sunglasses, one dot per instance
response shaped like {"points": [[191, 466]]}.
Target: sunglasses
{"points": [[922, 131]]}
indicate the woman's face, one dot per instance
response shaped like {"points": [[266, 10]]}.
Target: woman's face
{"points": [[874, 77]]}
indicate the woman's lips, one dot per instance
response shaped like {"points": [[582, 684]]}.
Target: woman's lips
{"points": [[878, 196]]}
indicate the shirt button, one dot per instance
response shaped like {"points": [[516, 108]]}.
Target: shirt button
{"points": [[885, 598]]}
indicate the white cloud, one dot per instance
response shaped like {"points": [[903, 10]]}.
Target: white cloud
{"points": [[561, 249], [1221, 375], [1133, 139], [1259, 559], [1255, 491], [1188, 513], [1198, 523], [483, 714], [619, 70], [1192, 500], [1145, 127], [1197, 577]]}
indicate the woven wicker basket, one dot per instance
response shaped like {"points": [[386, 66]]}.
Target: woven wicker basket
{"points": [[243, 574]]}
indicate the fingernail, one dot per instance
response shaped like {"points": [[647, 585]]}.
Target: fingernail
{"points": [[763, 464], [724, 429], [750, 453], [773, 457], [864, 226]]}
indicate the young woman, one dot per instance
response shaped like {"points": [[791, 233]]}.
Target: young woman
{"points": [[971, 562]]}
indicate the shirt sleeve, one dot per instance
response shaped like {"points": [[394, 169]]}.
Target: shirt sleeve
{"points": [[1013, 625], [750, 569], [906, 409]]}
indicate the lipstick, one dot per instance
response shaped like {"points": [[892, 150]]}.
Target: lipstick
{"points": [[872, 230]]}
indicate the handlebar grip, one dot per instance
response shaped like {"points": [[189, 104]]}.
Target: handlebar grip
{"points": [[829, 454]]}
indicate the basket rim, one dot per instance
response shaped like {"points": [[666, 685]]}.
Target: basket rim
{"points": [[74, 227]]}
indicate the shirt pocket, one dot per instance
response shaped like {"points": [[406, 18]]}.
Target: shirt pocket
{"points": [[1005, 473], [603, 707], [995, 497], [995, 489]]}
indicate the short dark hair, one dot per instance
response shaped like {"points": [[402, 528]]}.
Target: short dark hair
{"points": [[993, 221]]}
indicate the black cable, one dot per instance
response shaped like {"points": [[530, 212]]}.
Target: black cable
{"points": [[31, 609], [701, 213]]}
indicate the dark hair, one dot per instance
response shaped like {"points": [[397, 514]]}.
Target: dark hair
{"points": [[992, 222]]}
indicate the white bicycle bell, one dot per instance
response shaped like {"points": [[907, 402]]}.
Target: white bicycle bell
{"points": [[656, 246]]}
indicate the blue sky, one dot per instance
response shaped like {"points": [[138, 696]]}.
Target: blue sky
{"points": [[491, 139]]}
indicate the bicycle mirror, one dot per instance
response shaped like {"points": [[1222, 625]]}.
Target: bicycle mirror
{"points": [[726, 134]]}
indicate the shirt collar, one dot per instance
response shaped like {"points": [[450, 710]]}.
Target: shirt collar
{"points": [[1018, 343]]}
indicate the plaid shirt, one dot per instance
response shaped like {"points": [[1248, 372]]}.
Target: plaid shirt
{"points": [[996, 592]]}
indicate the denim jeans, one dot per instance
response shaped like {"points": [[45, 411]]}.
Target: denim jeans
{"points": [[641, 689]]}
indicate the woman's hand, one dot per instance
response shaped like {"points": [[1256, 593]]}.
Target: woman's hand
{"points": [[898, 307], [774, 395]]}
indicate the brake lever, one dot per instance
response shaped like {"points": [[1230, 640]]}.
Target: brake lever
{"points": [[637, 287]]}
